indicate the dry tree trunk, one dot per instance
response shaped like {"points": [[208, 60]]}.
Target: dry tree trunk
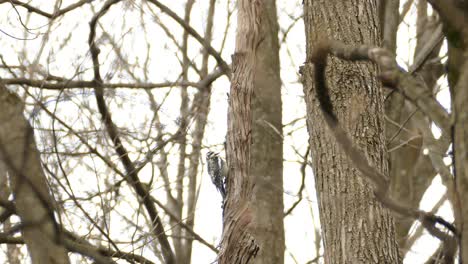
{"points": [[267, 146], [356, 228], [33, 203], [238, 245]]}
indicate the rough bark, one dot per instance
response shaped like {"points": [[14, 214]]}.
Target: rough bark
{"points": [[355, 227], [267, 144], [33, 203], [238, 245]]}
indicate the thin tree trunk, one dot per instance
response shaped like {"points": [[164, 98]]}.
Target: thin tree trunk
{"points": [[267, 146], [457, 78], [355, 227], [184, 114], [201, 104]]}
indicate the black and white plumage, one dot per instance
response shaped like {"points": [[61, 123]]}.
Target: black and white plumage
{"points": [[217, 170]]}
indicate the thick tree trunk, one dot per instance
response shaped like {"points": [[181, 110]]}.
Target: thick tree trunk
{"points": [[267, 143], [33, 202], [238, 245], [356, 228]]}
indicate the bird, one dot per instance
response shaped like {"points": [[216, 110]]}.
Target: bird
{"points": [[217, 170]]}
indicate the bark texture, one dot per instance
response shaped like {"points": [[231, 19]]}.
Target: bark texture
{"points": [[267, 143], [356, 228], [238, 244], [33, 202]]}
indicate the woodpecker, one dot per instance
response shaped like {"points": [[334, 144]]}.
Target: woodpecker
{"points": [[217, 170]]}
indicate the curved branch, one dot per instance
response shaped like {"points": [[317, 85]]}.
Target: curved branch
{"points": [[393, 77], [132, 174], [70, 84], [38, 11]]}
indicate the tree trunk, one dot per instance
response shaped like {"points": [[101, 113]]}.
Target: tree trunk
{"points": [[267, 143], [460, 144], [13, 252], [458, 78], [356, 228], [179, 241], [238, 245], [33, 202]]}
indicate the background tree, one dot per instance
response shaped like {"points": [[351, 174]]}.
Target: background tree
{"points": [[124, 109], [408, 130], [267, 142], [153, 161]]}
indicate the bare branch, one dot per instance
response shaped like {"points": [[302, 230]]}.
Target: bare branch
{"points": [[112, 131], [185, 226], [222, 64], [38, 11], [70, 84]]}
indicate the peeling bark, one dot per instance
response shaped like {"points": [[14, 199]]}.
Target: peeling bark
{"points": [[238, 245]]}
